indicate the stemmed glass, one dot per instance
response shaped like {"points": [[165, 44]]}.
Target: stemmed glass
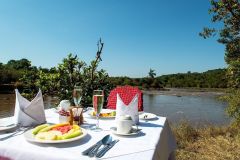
{"points": [[98, 98], [77, 95]]}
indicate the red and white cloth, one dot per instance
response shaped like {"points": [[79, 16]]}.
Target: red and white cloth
{"points": [[126, 93]]}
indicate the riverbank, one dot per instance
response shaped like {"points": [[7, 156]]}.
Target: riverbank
{"points": [[208, 143]]}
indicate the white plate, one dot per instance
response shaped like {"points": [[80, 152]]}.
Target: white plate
{"points": [[7, 124], [30, 137], [103, 111], [134, 131], [147, 116]]}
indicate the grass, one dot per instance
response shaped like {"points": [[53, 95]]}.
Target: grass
{"points": [[207, 143]]}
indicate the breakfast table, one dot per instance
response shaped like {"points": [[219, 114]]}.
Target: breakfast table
{"points": [[155, 140]]}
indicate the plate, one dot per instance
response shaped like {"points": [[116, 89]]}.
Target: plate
{"points": [[134, 131], [7, 124], [147, 116], [104, 111], [30, 137]]}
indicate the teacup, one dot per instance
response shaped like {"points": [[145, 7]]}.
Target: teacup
{"points": [[65, 105], [64, 112], [124, 124]]}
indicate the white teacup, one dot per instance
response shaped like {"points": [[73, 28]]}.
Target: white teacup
{"points": [[124, 124], [65, 105]]}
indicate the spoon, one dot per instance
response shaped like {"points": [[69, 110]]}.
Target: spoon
{"points": [[106, 140]]}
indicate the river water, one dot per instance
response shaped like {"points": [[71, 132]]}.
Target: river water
{"points": [[195, 109]]}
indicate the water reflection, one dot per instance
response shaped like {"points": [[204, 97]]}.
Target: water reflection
{"points": [[196, 109]]}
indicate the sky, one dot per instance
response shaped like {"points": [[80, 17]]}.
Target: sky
{"points": [[137, 34]]}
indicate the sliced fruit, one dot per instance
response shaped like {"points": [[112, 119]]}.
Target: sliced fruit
{"points": [[51, 135], [52, 126], [113, 113], [76, 127], [38, 128], [72, 135], [93, 113], [63, 129]]}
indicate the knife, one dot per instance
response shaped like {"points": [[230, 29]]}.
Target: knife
{"points": [[106, 148], [93, 147]]}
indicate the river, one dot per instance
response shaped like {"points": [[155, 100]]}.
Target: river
{"points": [[195, 108]]}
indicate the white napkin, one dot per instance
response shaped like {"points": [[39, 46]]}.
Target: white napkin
{"points": [[29, 113], [130, 109]]}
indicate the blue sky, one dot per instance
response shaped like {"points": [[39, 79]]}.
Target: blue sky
{"points": [[138, 34]]}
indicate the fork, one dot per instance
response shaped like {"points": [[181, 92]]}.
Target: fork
{"points": [[19, 131], [7, 125]]}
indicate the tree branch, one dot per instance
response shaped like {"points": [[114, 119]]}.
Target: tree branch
{"points": [[98, 57]]}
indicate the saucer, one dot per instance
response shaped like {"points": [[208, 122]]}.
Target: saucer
{"points": [[134, 131], [7, 124], [147, 116]]}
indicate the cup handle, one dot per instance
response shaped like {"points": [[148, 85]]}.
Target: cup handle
{"points": [[137, 129]]}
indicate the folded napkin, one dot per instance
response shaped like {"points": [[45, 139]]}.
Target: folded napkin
{"points": [[29, 113], [130, 109]]}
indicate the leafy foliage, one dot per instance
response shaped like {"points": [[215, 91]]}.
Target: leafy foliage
{"points": [[233, 99], [75, 72], [151, 73], [209, 79], [228, 13], [61, 80]]}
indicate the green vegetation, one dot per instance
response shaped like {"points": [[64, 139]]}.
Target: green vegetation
{"points": [[151, 73], [218, 142], [228, 13], [72, 70], [210, 79], [61, 80]]}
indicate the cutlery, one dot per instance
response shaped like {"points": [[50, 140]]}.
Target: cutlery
{"points": [[106, 140], [106, 148], [19, 131], [93, 146], [9, 125]]}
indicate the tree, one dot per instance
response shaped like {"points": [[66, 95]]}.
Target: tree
{"points": [[228, 13], [151, 73], [72, 71], [19, 64]]}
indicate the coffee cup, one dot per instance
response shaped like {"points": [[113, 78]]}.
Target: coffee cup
{"points": [[65, 105], [124, 124]]}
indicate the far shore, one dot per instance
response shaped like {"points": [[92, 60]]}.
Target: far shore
{"points": [[187, 92], [166, 91]]}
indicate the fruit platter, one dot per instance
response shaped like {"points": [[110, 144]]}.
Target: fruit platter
{"points": [[55, 133]]}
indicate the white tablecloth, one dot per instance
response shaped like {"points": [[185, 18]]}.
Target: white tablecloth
{"points": [[156, 141]]}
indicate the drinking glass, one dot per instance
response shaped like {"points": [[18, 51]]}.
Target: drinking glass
{"points": [[98, 98], [77, 95]]}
